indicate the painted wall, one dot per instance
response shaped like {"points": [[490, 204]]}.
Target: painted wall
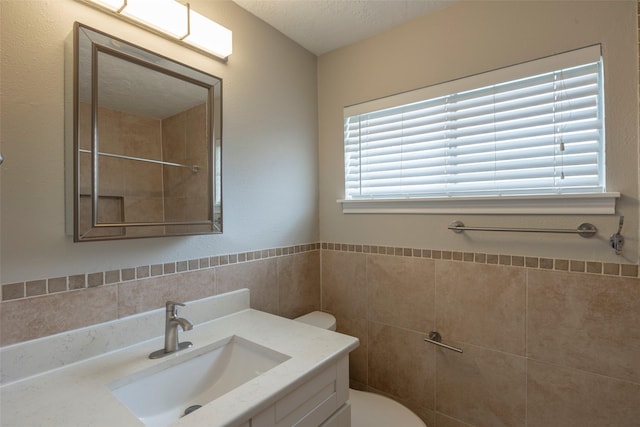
{"points": [[465, 39], [530, 312], [269, 118]]}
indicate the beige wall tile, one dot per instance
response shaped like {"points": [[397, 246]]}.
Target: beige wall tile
{"points": [[142, 179], [344, 294], [139, 209], [174, 137], [481, 304], [585, 321], [13, 291], [260, 277], [183, 182], [36, 287], [147, 294], [481, 387], [111, 176], [298, 284], [445, 421], [110, 210], [77, 281], [358, 358], [31, 318], [344, 284], [196, 132], [610, 268], [110, 130], [562, 397], [95, 279], [184, 141], [402, 364], [57, 284], [128, 274], [400, 291], [186, 209], [124, 177], [629, 270], [25, 319], [141, 136]]}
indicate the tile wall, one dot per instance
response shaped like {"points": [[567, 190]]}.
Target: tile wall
{"points": [[184, 142], [283, 281], [129, 190], [546, 342], [126, 188]]}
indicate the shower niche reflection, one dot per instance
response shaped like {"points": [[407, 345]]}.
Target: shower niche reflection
{"points": [[146, 143]]}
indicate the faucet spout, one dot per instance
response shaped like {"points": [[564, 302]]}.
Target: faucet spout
{"points": [[172, 321], [184, 323]]}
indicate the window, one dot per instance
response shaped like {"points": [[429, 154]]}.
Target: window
{"points": [[531, 130]]}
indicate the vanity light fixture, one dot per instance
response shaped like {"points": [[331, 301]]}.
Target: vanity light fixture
{"points": [[174, 20]]}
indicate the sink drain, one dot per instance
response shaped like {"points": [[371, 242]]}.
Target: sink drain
{"points": [[191, 408]]}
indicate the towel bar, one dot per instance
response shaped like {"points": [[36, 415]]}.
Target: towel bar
{"points": [[584, 230], [436, 338]]}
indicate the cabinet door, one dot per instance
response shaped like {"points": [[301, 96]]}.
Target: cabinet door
{"points": [[311, 404], [341, 418]]}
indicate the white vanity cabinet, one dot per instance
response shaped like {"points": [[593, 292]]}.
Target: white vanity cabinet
{"points": [[322, 401]]}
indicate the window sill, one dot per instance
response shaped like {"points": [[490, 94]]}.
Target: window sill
{"points": [[584, 204]]}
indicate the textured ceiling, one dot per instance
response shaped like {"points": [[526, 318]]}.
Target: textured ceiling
{"points": [[321, 26]]}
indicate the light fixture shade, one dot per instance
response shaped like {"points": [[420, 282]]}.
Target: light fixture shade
{"points": [[174, 19], [112, 5], [168, 16], [209, 36]]}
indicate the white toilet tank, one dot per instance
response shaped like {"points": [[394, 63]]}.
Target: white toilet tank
{"points": [[319, 319], [367, 409]]}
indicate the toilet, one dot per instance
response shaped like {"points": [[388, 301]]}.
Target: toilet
{"points": [[367, 409]]}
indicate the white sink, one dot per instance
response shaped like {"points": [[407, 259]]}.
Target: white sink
{"points": [[159, 395]]}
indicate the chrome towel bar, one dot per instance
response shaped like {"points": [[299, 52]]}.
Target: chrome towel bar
{"points": [[436, 338], [583, 230]]}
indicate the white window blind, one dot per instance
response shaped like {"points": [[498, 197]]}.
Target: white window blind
{"points": [[536, 128]]}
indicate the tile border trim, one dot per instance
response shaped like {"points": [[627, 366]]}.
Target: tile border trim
{"points": [[48, 286], [53, 285], [567, 265]]}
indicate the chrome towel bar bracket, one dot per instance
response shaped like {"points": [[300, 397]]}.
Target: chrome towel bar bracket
{"points": [[436, 338], [617, 240], [584, 230]]}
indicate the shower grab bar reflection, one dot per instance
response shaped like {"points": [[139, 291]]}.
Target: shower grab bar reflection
{"points": [[436, 338], [194, 168], [584, 230]]}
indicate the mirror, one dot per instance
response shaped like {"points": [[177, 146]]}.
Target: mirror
{"points": [[146, 143]]}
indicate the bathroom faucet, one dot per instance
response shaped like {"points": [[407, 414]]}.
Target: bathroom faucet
{"points": [[172, 321]]}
